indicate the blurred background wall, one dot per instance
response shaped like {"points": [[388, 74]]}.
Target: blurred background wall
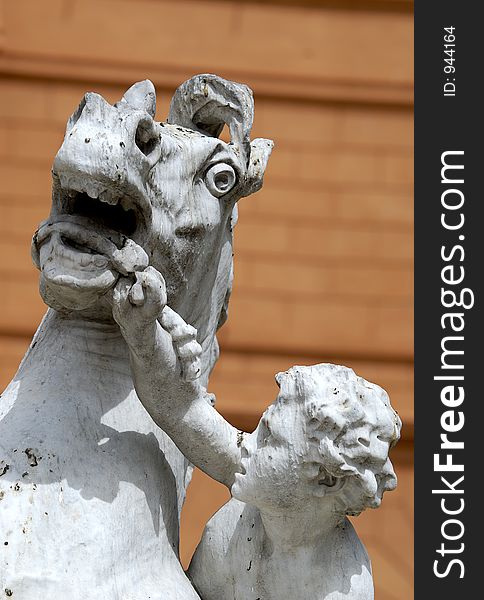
{"points": [[323, 255]]}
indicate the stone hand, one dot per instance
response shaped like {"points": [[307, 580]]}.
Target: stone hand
{"points": [[184, 339], [138, 304]]}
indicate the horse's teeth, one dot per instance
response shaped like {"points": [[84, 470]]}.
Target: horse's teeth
{"points": [[125, 204], [100, 261], [108, 198], [84, 260], [65, 181], [92, 191]]}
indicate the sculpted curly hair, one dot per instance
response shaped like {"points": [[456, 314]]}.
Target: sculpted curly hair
{"points": [[350, 428]]}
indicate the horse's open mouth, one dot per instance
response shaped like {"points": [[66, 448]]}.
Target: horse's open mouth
{"points": [[105, 208], [80, 202], [108, 210], [91, 229]]}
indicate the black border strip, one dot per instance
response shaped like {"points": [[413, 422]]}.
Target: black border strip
{"points": [[449, 124]]}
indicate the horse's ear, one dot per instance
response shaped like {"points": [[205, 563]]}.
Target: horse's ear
{"points": [[205, 103], [141, 96], [260, 151]]}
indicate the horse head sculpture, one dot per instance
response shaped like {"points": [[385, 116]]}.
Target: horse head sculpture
{"points": [[90, 489], [171, 188]]}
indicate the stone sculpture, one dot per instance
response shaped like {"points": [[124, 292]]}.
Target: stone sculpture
{"points": [[90, 488], [135, 264], [319, 453]]}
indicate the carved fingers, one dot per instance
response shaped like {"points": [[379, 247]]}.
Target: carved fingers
{"points": [[130, 258], [149, 291], [143, 301], [185, 343]]}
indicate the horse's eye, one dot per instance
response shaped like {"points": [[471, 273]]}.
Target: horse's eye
{"points": [[220, 179]]}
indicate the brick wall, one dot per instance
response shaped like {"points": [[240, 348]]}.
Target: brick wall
{"points": [[323, 255]]}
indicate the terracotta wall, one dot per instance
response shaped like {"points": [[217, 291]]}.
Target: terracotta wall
{"points": [[323, 263]]}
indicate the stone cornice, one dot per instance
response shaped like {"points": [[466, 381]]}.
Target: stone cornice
{"points": [[315, 89]]}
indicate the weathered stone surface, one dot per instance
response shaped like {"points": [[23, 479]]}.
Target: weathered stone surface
{"points": [[136, 266], [90, 488], [319, 453]]}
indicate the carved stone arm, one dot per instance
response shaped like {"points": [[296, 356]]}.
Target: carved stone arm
{"points": [[183, 410], [164, 357]]}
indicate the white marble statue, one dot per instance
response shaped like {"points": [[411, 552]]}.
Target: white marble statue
{"points": [[318, 454], [90, 488]]}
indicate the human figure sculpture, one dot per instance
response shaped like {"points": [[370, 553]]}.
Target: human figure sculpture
{"points": [[318, 454], [90, 488]]}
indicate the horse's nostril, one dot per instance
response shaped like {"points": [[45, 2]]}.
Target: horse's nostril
{"points": [[147, 138]]}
